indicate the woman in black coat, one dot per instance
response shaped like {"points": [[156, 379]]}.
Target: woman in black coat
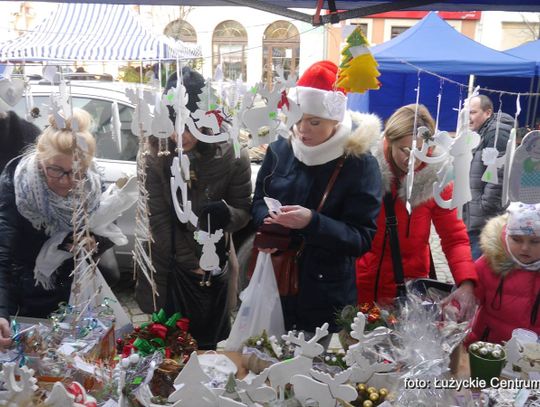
{"points": [[36, 209]]}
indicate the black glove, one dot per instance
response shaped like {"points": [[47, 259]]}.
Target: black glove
{"points": [[220, 216]]}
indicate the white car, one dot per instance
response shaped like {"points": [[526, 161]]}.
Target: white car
{"points": [[96, 97]]}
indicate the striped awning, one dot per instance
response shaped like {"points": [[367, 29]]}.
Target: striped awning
{"points": [[94, 32]]}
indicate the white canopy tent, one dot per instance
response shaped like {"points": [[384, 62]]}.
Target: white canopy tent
{"points": [[94, 32]]}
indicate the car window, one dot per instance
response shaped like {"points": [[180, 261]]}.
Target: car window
{"points": [[101, 111]]}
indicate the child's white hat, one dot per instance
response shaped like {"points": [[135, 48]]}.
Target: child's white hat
{"points": [[523, 219]]}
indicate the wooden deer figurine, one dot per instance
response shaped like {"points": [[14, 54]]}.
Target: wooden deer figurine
{"points": [[281, 373], [325, 390], [257, 391]]}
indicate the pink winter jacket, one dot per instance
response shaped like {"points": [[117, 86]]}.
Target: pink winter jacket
{"points": [[508, 296]]}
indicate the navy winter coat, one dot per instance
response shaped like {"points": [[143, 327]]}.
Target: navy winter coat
{"points": [[342, 231]]}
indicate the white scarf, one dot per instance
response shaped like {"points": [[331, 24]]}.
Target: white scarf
{"points": [[325, 152], [51, 212], [43, 208]]}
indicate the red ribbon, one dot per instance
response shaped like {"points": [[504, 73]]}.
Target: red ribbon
{"points": [[183, 324], [218, 115], [284, 100], [158, 330]]}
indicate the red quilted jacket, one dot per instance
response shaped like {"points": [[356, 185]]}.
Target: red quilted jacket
{"points": [[375, 278], [508, 295]]}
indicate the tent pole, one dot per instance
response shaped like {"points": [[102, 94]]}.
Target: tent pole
{"points": [[535, 104], [472, 79]]}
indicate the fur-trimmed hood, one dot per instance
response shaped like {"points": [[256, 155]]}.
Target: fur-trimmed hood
{"points": [[423, 179], [493, 247], [365, 131]]}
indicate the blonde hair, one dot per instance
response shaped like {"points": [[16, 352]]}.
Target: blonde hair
{"points": [[401, 123], [54, 141]]}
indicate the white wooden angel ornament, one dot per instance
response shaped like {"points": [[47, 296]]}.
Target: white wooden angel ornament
{"points": [[490, 156], [141, 124], [524, 183], [509, 155], [162, 127], [323, 389], [458, 164], [281, 373]]}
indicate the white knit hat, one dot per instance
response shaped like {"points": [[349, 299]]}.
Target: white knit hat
{"points": [[523, 219], [316, 94]]}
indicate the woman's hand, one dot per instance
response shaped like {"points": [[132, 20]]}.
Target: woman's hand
{"points": [[460, 305], [5, 333], [291, 216]]}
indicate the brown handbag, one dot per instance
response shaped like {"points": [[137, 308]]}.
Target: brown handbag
{"points": [[285, 260]]}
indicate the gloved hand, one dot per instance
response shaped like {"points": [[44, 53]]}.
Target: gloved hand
{"points": [[460, 305], [220, 216]]}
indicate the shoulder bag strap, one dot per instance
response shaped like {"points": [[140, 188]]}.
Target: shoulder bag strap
{"points": [[331, 182], [391, 227]]}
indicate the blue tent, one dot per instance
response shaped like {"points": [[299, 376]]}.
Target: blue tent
{"points": [[434, 46], [529, 51]]}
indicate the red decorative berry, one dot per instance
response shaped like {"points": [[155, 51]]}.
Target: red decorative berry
{"points": [[372, 318]]}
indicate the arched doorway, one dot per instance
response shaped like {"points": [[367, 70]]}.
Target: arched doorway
{"points": [[229, 43], [181, 30], [281, 47]]}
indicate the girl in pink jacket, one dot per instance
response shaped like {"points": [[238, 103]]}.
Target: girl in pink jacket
{"points": [[508, 287]]}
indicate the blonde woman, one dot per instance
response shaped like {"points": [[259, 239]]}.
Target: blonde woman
{"points": [[375, 270], [36, 207]]}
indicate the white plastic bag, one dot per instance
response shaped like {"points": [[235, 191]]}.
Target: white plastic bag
{"points": [[261, 306]]}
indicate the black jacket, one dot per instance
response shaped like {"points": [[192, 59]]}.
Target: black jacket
{"points": [[15, 135], [486, 197], [20, 244]]}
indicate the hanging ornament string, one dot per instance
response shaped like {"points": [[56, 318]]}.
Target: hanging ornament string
{"points": [[439, 98], [410, 172]]}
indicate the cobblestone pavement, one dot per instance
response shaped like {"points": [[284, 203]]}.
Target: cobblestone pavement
{"points": [[125, 291]]}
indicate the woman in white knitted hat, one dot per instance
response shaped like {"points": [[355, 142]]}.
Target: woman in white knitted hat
{"points": [[508, 288], [297, 171]]}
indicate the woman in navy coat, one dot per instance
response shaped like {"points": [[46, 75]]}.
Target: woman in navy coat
{"points": [[296, 172]]}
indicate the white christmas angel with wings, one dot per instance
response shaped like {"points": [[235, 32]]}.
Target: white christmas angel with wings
{"points": [[454, 155]]}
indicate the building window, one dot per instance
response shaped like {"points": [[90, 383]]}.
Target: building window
{"points": [[281, 47], [363, 28], [181, 30], [229, 49], [396, 30]]}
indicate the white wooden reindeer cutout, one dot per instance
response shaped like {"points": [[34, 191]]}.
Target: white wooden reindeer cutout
{"points": [[257, 391], [281, 373], [266, 116], [323, 388], [362, 369], [141, 124], [209, 259]]}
